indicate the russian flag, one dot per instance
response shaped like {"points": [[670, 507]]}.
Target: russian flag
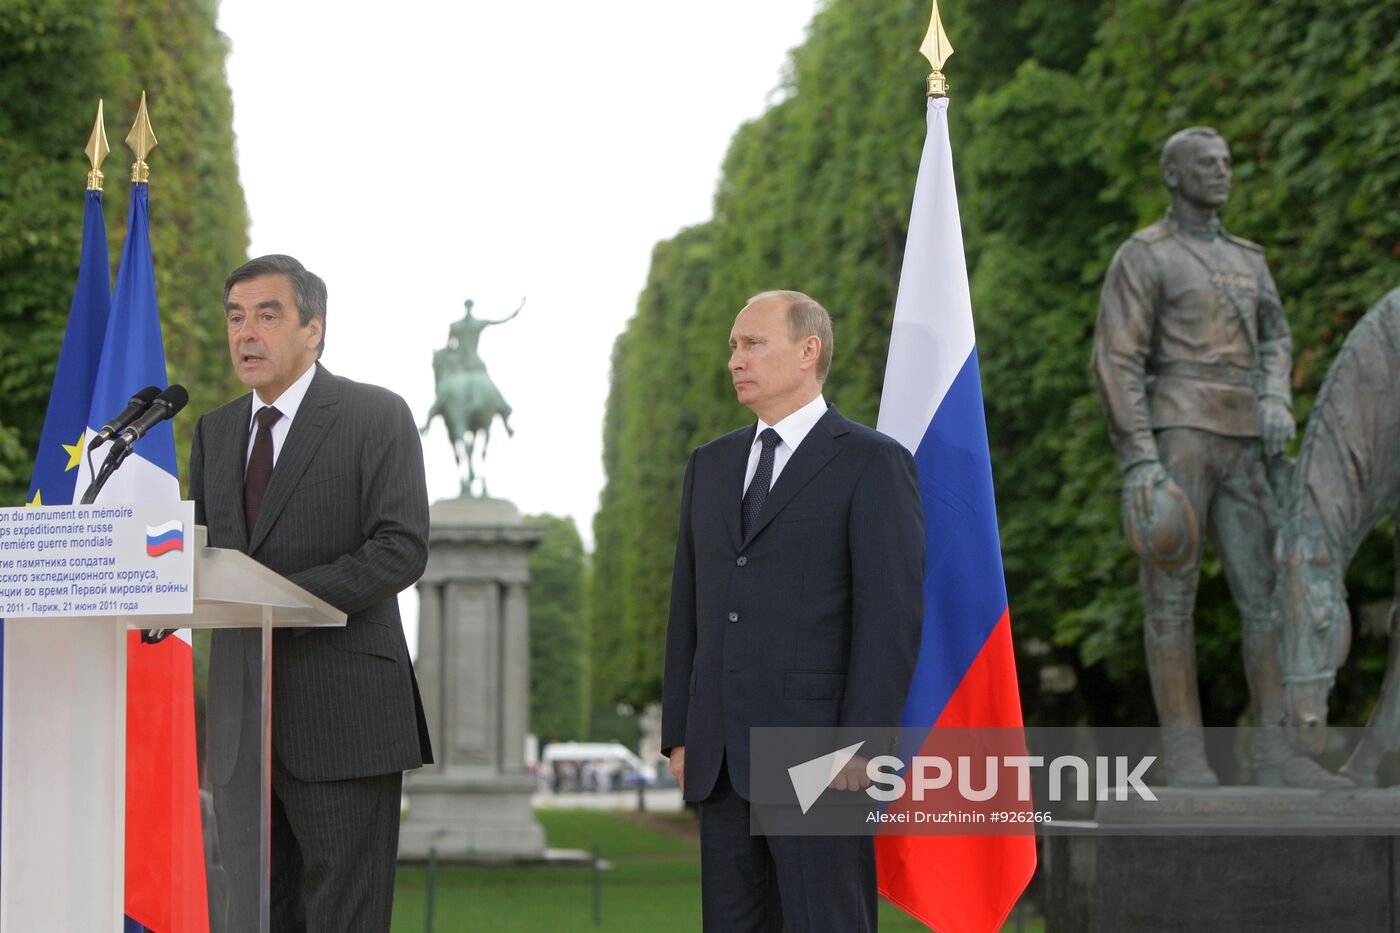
{"points": [[165, 878], [162, 539], [966, 673]]}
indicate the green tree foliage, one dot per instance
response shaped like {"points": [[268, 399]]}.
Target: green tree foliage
{"points": [[644, 452], [1060, 108], [10, 453], [57, 57], [558, 637]]}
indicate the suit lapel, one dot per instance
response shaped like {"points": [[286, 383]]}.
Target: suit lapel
{"points": [[313, 419], [815, 451], [230, 461]]}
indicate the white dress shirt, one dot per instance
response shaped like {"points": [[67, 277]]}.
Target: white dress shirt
{"points": [[287, 403], [792, 430]]}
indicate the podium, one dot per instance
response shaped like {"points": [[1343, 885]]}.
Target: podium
{"points": [[62, 813]]}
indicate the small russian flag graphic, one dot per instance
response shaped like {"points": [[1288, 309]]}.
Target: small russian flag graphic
{"points": [[161, 539]]}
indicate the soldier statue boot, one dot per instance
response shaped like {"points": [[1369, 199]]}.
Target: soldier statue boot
{"points": [[1171, 665], [1184, 748]]}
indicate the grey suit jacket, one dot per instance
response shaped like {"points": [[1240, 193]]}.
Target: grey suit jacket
{"points": [[345, 517], [814, 619]]}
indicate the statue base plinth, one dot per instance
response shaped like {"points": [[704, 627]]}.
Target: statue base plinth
{"points": [[473, 803], [1222, 859], [469, 511], [486, 818]]}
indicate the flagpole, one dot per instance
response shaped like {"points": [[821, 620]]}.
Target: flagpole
{"points": [[141, 140], [936, 49], [97, 150]]}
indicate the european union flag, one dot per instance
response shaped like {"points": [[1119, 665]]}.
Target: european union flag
{"points": [[61, 443]]}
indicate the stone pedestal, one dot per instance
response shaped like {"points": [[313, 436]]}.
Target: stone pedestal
{"points": [[473, 669], [1219, 860]]}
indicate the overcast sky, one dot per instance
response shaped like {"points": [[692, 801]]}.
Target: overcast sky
{"points": [[421, 153]]}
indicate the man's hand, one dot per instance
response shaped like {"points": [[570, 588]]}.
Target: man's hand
{"points": [[853, 776], [1276, 426], [1137, 490], [678, 765]]}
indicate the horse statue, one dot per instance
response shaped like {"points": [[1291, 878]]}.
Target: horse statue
{"points": [[467, 399], [1346, 480]]}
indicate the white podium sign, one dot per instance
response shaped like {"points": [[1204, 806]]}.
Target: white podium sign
{"points": [[63, 766], [64, 561]]}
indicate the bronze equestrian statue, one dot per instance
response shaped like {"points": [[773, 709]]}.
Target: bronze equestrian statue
{"points": [[467, 399], [1347, 479]]}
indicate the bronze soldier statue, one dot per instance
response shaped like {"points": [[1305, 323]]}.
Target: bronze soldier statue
{"points": [[1193, 357]]}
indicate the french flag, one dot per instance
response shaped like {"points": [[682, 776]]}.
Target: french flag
{"points": [[165, 872], [162, 539], [966, 673]]}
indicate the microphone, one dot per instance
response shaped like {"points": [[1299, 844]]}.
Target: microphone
{"points": [[166, 405], [139, 402]]}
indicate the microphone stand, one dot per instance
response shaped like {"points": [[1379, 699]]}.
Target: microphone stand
{"points": [[115, 458]]}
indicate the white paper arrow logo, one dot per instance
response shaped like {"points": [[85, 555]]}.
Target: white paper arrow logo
{"points": [[810, 778]]}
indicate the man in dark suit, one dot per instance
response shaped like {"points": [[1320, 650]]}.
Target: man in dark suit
{"points": [[796, 600], [320, 479]]}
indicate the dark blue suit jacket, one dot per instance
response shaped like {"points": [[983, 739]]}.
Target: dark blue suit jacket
{"points": [[815, 619]]}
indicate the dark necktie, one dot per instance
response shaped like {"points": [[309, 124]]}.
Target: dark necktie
{"points": [[259, 466], [762, 479]]}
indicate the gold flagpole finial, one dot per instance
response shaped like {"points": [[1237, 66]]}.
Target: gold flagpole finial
{"points": [[936, 49], [141, 140], [97, 150]]}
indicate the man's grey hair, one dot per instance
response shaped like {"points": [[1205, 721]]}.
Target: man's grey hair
{"points": [[307, 287], [806, 318], [1179, 142]]}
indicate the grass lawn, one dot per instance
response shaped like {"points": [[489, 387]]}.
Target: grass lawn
{"points": [[654, 884]]}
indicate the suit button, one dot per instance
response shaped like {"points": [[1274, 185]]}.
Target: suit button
{"points": [[734, 617], [742, 561]]}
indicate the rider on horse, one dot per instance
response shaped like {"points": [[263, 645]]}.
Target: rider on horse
{"points": [[467, 398]]}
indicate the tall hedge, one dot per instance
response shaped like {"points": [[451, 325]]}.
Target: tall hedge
{"points": [[1060, 108], [558, 633], [57, 58]]}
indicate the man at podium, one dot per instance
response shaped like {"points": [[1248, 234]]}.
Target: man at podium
{"points": [[320, 479]]}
